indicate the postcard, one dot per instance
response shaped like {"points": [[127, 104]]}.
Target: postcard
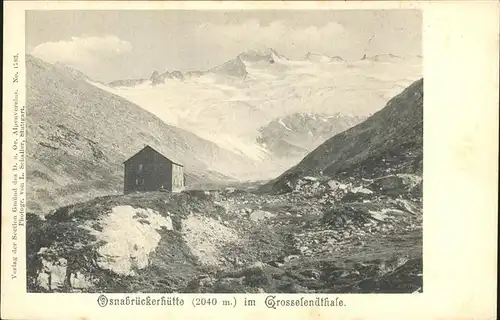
{"points": [[187, 160]]}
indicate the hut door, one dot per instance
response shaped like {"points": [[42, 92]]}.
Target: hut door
{"points": [[139, 181]]}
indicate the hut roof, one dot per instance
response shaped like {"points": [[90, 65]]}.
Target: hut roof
{"points": [[158, 152]]}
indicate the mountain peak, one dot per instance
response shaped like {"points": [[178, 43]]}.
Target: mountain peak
{"points": [[154, 75], [260, 54], [319, 57], [234, 68], [155, 78], [385, 57]]}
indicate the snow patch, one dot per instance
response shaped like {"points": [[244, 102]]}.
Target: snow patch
{"points": [[309, 178], [383, 213], [283, 124], [259, 215], [336, 185], [205, 237], [130, 235], [378, 215], [361, 190], [410, 179]]}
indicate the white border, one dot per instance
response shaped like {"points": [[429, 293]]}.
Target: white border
{"points": [[461, 44]]}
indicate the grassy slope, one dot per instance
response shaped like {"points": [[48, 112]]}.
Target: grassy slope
{"points": [[79, 135], [390, 140]]}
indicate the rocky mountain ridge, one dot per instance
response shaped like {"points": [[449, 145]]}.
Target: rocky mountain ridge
{"points": [[318, 57], [237, 67], [233, 68]]}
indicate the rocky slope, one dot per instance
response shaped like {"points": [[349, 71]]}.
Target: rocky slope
{"points": [[390, 141], [79, 136], [326, 236], [126, 82]]}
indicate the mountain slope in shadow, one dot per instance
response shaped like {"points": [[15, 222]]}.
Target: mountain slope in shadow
{"points": [[388, 142]]}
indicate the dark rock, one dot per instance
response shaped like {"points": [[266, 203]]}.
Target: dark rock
{"points": [[258, 280], [291, 287], [229, 285], [311, 273], [356, 196], [395, 185]]}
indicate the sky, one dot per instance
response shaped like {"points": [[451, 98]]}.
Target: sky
{"points": [[111, 45]]}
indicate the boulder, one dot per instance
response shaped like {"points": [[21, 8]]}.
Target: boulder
{"points": [[361, 190], [256, 268], [303, 249], [331, 186], [229, 285], [308, 178], [80, 281], [292, 287], [259, 215], [416, 191], [397, 184], [290, 258], [357, 194], [52, 275], [311, 273]]}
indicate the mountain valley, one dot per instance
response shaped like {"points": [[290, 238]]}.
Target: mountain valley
{"points": [[346, 219]]}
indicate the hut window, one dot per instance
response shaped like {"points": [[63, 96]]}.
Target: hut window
{"points": [[139, 169]]}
